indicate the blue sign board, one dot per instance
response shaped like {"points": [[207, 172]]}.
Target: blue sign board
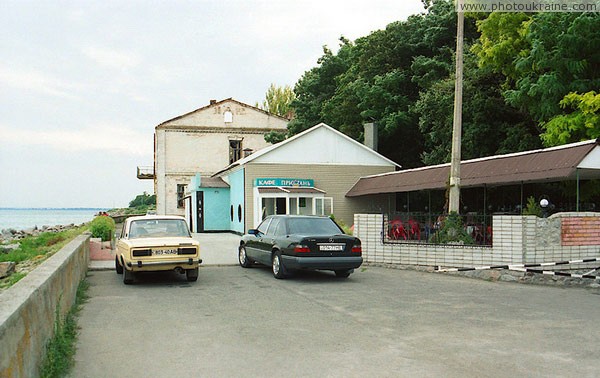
{"points": [[293, 182]]}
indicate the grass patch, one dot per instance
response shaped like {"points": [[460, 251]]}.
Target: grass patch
{"points": [[37, 249], [60, 350], [11, 280]]}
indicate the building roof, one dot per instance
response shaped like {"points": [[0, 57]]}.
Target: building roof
{"points": [[213, 182], [305, 156], [544, 165], [217, 103]]}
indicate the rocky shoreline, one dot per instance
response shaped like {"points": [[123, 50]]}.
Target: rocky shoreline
{"points": [[9, 241], [9, 236]]}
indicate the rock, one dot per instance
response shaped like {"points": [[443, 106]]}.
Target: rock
{"points": [[7, 268], [7, 248], [508, 278]]}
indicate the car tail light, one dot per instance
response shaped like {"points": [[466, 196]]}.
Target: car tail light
{"points": [[301, 248], [357, 248], [187, 251], [142, 252]]}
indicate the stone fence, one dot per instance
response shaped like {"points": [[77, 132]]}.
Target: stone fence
{"points": [[29, 309], [516, 240]]}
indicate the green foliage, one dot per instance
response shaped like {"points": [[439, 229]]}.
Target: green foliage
{"points": [[60, 350], [582, 124], [37, 249], [533, 207], [11, 280], [142, 200], [518, 68], [41, 246], [453, 231], [502, 41], [278, 100], [102, 227], [275, 137]]}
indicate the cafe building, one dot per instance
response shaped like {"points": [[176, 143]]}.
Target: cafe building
{"points": [[307, 174]]}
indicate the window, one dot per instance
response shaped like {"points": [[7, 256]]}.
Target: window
{"points": [[228, 116], [180, 195], [240, 213], [273, 227], [235, 150], [262, 228]]}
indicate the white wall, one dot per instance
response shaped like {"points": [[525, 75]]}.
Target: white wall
{"points": [[199, 143]]}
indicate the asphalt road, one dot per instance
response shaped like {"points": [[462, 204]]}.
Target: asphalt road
{"points": [[380, 322]]}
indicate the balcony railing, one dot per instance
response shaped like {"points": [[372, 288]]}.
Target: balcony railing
{"points": [[145, 173]]}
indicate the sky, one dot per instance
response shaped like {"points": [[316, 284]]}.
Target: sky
{"points": [[84, 83]]}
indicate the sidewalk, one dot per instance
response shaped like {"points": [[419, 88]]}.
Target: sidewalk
{"points": [[215, 249]]}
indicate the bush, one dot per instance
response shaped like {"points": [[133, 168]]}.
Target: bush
{"points": [[453, 231], [102, 227], [533, 208]]}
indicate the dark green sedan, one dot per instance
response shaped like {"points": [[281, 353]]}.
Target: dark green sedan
{"points": [[294, 242]]}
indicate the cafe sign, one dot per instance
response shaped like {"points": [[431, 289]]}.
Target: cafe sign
{"points": [[284, 182]]}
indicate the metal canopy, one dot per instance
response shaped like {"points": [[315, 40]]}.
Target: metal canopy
{"points": [[546, 165]]}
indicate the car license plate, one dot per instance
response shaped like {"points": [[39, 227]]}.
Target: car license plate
{"points": [[160, 252], [331, 247]]}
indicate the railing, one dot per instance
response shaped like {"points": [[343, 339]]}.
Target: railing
{"points": [[145, 173], [425, 227]]}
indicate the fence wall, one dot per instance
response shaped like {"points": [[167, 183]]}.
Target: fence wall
{"points": [[29, 309], [516, 240]]}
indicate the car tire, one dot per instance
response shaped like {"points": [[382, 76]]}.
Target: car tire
{"points": [[277, 266], [243, 259], [128, 276], [118, 266], [343, 273], [191, 274]]}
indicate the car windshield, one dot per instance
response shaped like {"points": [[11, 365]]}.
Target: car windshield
{"points": [[158, 228], [312, 226]]}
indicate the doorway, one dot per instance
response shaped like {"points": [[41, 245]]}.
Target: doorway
{"points": [[200, 211]]}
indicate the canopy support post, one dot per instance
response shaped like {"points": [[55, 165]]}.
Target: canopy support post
{"points": [[577, 203], [521, 198]]}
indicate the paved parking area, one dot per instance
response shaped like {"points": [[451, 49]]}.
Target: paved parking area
{"points": [[381, 322]]}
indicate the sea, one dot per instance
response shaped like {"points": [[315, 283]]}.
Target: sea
{"points": [[23, 218]]}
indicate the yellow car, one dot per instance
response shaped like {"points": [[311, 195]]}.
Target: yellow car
{"points": [[156, 243]]}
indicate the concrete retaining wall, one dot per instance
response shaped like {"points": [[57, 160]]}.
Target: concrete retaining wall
{"points": [[28, 309], [516, 240]]}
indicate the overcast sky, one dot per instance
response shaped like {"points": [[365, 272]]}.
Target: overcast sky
{"points": [[84, 83]]}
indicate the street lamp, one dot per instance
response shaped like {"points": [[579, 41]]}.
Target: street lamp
{"points": [[544, 204]]}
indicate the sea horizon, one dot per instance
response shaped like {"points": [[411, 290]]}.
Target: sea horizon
{"points": [[25, 218]]}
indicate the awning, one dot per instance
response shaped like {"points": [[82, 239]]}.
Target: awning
{"points": [[289, 190], [545, 165]]}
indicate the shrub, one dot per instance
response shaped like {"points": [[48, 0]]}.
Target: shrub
{"points": [[453, 231], [102, 227], [533, 208]]}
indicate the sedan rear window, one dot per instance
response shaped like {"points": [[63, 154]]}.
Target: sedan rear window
{"points": [[313, 226], [158, 228]]}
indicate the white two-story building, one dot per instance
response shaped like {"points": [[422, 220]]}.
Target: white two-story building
{"points": [[204, 141]]}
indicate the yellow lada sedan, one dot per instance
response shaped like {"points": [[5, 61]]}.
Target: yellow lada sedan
{"points": [[156, 243]]}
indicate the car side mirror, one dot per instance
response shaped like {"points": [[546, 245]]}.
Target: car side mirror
{"points": [[253, 232]]}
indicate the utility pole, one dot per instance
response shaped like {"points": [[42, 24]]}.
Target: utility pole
{"points": [[454, 195]]}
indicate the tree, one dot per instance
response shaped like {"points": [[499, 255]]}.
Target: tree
{"points": [[144, 199], [582, 124], [564, 58], [278, 100]]}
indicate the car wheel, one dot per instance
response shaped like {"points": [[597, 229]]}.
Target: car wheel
{"points": [[243, 259], [343, 273], [127, 276], [118, 266], [192, 274], [277, 266]]}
